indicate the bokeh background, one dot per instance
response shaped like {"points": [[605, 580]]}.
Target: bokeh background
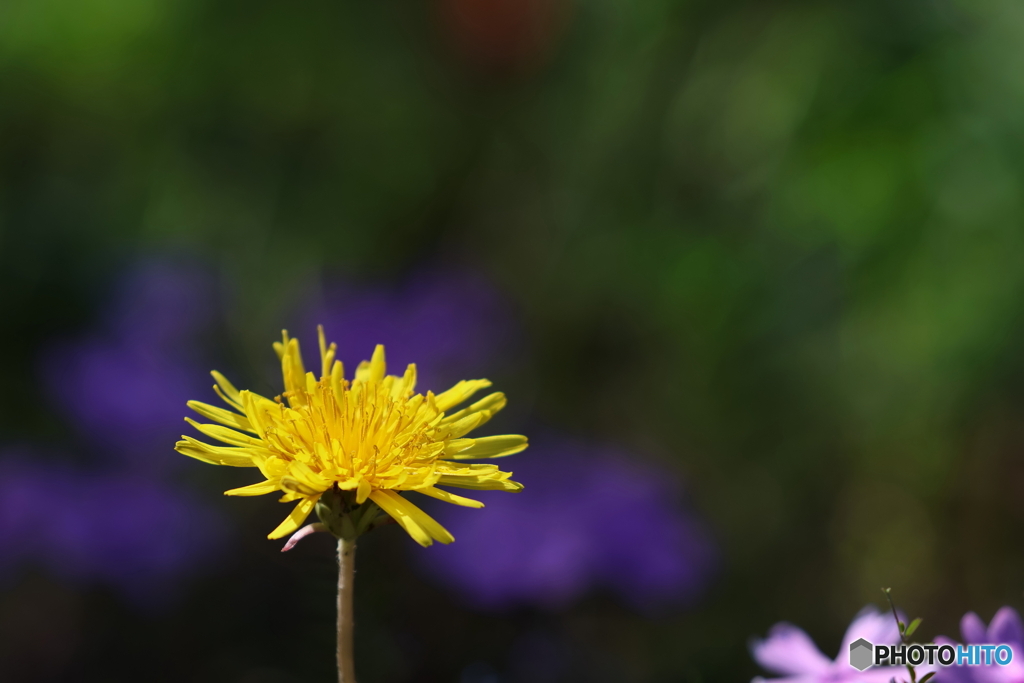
{"points": [[751, 273]]}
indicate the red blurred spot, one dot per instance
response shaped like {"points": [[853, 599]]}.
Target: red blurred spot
{"points": [[503, 35]]}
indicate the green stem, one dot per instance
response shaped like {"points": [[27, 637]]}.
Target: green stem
{"points": [[346, 624]]}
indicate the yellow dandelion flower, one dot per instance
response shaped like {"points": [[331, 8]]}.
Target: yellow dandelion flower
{"points": [[362, 440]]}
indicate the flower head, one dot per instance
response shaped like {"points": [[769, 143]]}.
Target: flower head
{"points": [[789, 651], [360, 441]]}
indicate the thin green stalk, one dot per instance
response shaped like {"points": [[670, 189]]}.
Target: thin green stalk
{"points": [[346, 624]]}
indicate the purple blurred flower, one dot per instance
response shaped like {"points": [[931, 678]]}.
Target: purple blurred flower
{"points": [[1006, 627], [790, 652], [450, 325], [125, 384], [124, 530], [588, 518]]}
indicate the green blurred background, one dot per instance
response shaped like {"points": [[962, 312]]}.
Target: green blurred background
{"points": [[777, 246]]}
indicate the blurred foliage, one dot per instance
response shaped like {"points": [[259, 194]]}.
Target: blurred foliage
{"points": [[777, 244]]}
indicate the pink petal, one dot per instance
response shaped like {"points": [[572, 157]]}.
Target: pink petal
{"points": [[789, 651], [1006, 627], [878, 628], [972, 628], [301, 534]]}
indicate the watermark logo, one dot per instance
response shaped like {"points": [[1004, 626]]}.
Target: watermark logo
{"points": [[865, 654], [861, 654]]}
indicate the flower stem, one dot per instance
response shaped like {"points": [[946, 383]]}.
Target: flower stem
{"points": [[346, 625]]}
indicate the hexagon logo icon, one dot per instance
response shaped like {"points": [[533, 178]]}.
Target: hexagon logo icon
{"points": [[861, 654]]}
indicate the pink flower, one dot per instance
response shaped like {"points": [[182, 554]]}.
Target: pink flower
{"points": [[790, 652], [1005, 627]]}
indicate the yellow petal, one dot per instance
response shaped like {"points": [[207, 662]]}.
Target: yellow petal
{"points": [[295, 519], [363, 491], [459, 393], [486, 447], [450, 497], [337, 379], [226, 390], [226, 435], [327, 352], [378, 367], [225, 417], [292, 369], [466, 424], [490, 404], [483, 483], [215, 455], [422, 527], [303, 479], [258, 489], [406, 385], [363, 372], [299, 487]]}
